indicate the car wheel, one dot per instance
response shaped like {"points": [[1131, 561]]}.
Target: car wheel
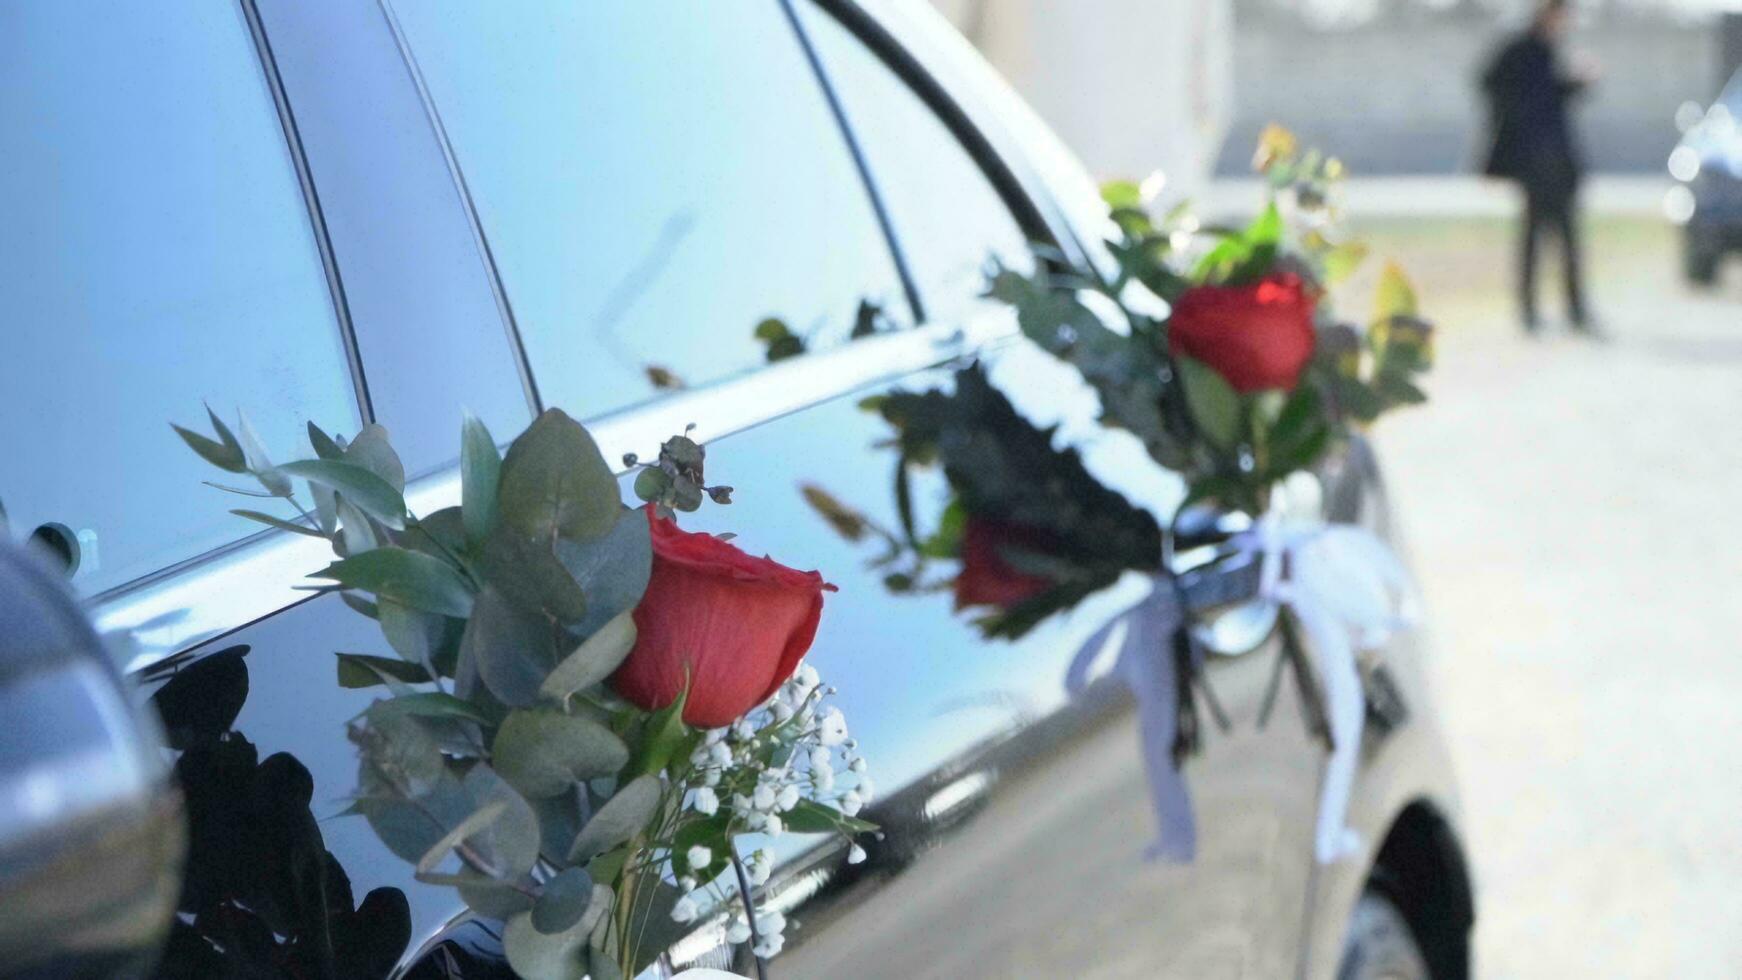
{"points": [[1380, 944], [1701, 265]]}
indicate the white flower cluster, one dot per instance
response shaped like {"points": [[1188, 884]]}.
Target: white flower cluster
{"points": [[759, 769]]}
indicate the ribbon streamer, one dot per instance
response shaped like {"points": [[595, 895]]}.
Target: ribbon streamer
{"points": [[1144, 661], [1347, 590]]}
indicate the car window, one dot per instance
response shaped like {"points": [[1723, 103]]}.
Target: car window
{"points": [[157, 251], [654, 179], [948, 218]]}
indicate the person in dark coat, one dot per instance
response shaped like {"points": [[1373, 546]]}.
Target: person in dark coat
{"points": [[1529, 97]]}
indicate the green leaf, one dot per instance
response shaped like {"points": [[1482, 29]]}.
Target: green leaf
{"points": [[661, 736], [541, 751], [512, 650], [410, 577], [1122, 194], [479, 821], [423, 638], [228, 458], [1395, 296], [534, 955], [324, 446], [622, 817], [356, 534], [509, 843], [362, 670], [593, 661], [652, 483], [1342, 260], [480, 473], [613, 570], [1214, 403], [527, 573], [372, 451], [369, 492], [429, 704], [564, 900], [282, 525], [259, 463], [811, 817], [554, 482]]}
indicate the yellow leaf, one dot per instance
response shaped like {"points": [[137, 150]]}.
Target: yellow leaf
{"points": [[1396, 296]]}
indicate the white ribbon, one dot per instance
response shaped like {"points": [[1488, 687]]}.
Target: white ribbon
{"points": [[1348, 591], [1145, 663]]}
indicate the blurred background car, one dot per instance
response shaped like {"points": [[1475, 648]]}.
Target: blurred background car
{"points": [[1707, 198]]}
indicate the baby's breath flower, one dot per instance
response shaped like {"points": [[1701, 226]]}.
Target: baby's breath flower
{"points": [[685, 910], [832, 727], [765, 797], [851, 803], [857, 765], [699, 857], [865, 788], [706, 802], [820, 756], [738, 929], [855, 854], [773, 826], [788, 798]]}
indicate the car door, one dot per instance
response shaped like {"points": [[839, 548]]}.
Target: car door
{"points": [[1029, 810]]}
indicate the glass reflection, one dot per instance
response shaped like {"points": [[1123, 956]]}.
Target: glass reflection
{"points": [[263, 897]]}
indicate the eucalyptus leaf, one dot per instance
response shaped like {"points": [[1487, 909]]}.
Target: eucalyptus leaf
{"points": [[543, 752], [228, 458], [372, 450], [429, 704], [1214, 403], [479, 821], [528, 573], [509, 843], [362, 670], [652, 483], [323, 444], [259, 463], [356, 534], [414, 635], [621, 817], [593, 661], [480, 473], [560, 956], [512, 650], [492, 898], [279, 523], [554, 482], [410, 577], [612, 570], [563, 902], [373, 495]]}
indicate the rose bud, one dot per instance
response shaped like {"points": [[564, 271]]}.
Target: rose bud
{"points": [[733, 626], [1257, 337], [987, 577]]}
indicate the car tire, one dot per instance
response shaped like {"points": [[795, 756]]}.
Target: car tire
{"points": [[1700, 264], [1380, 944]]}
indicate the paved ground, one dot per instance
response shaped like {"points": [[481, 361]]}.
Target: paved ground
{"points": [[1575, 512]]}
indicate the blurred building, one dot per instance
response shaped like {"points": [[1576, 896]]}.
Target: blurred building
{"points": [[1132, 85], [1388, 85]]}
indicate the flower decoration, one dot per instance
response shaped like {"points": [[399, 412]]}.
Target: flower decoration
{"points": [[586, 706], [725, 626]]}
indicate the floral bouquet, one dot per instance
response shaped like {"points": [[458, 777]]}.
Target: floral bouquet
{"points": [[588, 706]]}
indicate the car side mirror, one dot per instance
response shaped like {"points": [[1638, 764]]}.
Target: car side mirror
{"points": [[91, 831]]}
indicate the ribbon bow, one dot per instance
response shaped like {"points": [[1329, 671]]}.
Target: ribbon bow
{"points": [[1348, 591], [1145, 664]]}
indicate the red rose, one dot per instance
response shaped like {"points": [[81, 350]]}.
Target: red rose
{"points": [[736, 625], [1256, 337], [987, 579]]}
